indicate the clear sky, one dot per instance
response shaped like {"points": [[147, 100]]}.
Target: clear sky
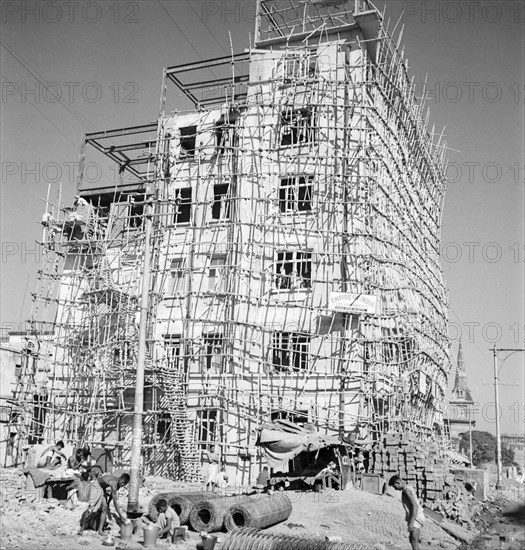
{"points": [[74, 67]]}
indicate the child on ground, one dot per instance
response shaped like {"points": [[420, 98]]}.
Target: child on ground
{"points": [[167, 519], [415, 516]]}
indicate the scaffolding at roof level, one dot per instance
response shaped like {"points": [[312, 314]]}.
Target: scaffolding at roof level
{"points": [[304, 184]]}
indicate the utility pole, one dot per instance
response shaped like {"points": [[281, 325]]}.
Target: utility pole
{"points": [[496, 406], [510, 351], [136, 442], [470, 434]]}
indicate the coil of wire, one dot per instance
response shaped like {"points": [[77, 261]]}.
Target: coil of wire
{"points": [[208, 515], [182, 503], [254, 539], [260, 511]]}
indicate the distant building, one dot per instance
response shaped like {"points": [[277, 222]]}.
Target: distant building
{"points": [[460, 411]]}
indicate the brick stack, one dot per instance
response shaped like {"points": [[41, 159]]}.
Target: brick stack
{"points": [[420, 464]]}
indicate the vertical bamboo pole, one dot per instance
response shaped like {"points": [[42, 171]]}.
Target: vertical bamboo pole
{"points": [[136, 442]]}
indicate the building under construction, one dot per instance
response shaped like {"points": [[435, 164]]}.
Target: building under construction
{"points": [[289, 227]]}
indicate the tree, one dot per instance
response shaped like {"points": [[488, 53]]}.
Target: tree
{"points": [[507, 456], [484, 448]]}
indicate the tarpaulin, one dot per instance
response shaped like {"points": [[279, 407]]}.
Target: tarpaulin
{"points": [[281, 446]]}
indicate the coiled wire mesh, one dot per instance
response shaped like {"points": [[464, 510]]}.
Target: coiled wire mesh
{"points": [[260, 511], [182, 503], [253, 539]]}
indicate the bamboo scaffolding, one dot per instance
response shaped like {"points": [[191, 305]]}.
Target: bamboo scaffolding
{"points": [[245, 254]]}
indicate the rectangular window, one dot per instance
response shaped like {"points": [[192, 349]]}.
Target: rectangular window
{"points": [[176, 280], [293, 270], [172, 351], [299, 66], [297, 127], [221, 203], [290, 351], [297, 417], [212, 351], [221, 134], [207, 422], [163, 427], [136, 214], [188, 138], [40, 408], [295, 194], [182, 206], [217, 274]]}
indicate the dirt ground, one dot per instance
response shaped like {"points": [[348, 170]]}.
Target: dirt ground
{"points": [[365, 520]]}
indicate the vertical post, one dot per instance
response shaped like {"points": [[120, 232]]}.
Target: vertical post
{"points": [[257, 33], [470, 434], [496, 406], [136, 442]]}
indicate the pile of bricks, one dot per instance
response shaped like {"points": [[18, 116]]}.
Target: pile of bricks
{"points": [[457, 504], [420, 464]]}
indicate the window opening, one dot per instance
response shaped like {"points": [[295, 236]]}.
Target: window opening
{"points": [[221, 203], [212, 351], [297, 127], [217, 274], [293, 270], [182, 206], [176, 280], [188, 136], [136, 213], [290, 351], [172, 350], [207, 428], [295, 194]]}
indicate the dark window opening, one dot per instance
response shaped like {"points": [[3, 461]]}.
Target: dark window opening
{"points": [[297, 127], [163, 428], [221, 134], [297, 417], [172, 349], [221, 203], [188, 138], [182, 206], [212, 351], [295, 194], [136, 215], [40, 406], [290, 351], [207, 428], [293, 270]]}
